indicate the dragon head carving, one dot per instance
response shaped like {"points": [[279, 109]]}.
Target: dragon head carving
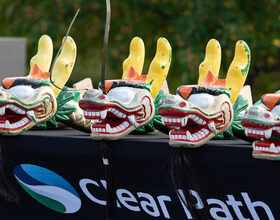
{"points": [[197, 113], [128, 103], [27, 101], [262, 121], [126, 106]]}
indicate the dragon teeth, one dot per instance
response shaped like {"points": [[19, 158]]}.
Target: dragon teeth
{"points": [[7, 124], [268, 133], [212, 127], [131, 118], [246, 131], [189, 136], [108, 128], [162, 120], [273, 148], [31, 115], [2, 110], [103, 114], [184, 121]]}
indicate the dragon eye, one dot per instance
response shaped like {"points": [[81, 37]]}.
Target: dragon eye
{"points": [[201, 100], [22, 92], [123, 95], [276, 110]]}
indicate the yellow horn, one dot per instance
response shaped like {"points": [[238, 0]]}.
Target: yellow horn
{"points": [[238, 69], [136, 56], [159, 67], [212, 61], [64, 65], [43, 58]]}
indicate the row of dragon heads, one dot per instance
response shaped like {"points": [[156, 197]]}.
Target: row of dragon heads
{"points": [[213, 108]]}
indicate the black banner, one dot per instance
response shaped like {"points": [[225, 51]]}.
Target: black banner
{"points": [[60, 175]]}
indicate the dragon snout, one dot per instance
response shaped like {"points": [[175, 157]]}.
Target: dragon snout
{"points": [[94, 94], [256, 111], [174, 100]]}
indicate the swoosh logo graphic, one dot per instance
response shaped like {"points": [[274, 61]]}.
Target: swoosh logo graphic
{"points": [[59, 195]]}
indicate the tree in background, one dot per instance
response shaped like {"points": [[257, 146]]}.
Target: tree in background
{"points": [[188, 25]]}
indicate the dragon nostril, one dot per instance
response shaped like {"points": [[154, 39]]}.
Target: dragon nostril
{"points": [[182, 104], [266, 115], [101, 97]]}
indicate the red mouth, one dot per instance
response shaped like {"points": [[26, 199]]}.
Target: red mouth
{"points": [[14, 117], [191, 127], [259, 130], [266, 148], [112, 119]]}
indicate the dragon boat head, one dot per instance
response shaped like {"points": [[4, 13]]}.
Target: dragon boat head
{"points": [[128, 103], [262, 121], [126, 106], [25, 102], [30, 100], [197, 113]]}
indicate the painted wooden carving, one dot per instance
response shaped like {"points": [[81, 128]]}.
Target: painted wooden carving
{"points": [[28, 101], [200, 112], [262, 121], [129, 102]]}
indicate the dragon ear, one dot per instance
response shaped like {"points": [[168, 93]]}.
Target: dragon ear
{"points": [[212, 60], [37, 73], [212, 80], [159, 67], [43, 58], [136, 56], [238, 69], [64, 65], [132, 75]]}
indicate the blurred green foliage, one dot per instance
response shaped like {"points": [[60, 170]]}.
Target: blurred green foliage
{"points": [[188, 25]]}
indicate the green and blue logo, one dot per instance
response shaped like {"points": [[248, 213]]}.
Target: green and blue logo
{"points": [[48, 188]]}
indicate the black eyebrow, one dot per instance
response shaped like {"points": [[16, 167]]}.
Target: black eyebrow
{"points": [[34, 83], [201, 89], [123, 83]]}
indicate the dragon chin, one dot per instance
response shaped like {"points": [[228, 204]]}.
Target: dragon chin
{"points": [[266, 149], [193, 128]]}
